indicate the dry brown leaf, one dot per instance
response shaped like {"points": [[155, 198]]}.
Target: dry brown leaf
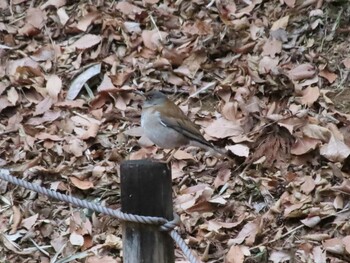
{"points": [[308, 186], [346, 63], [91, 132], [12, 96], [182, 155], [280, 23], [310, 95], [334, 245], [222, 177], [152, 39], [301, 72], [191, 65], [267, 65], [304, 145], [78, 83], [290, 3], [53, 86], [239, 150], [86, 41], [76, 239], [344, 187], [311, 221], [17, 218], [222, 128], [248, 233], [271, 48], [319, 255], [29, 222], [234, 255], [128, 9], [83, 185], [335, 150], [330, 76], [316, 132], [86, 21], [280, 256], [43, 106]]}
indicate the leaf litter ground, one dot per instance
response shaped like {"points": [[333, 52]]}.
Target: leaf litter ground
{"points": [[268, 80]]}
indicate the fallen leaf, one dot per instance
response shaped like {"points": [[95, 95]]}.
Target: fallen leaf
{"points": [[308, 186], [222, 128], [310, 95], [301, 72], [239, 150], [330, 76], [280, 23], [76, 239], [53, 86], [334, 245], [79, 81], [86, 41], [279, 256], [311, 221], [83, 185], [234, 255], [335, 150]]}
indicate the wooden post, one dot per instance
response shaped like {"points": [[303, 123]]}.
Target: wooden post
{"points": [[146, 190]]}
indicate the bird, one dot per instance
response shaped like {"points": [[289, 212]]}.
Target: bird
{"points": [[167, 126]]}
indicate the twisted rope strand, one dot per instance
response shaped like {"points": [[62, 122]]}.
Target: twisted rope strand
{"points": [[164, 225]]}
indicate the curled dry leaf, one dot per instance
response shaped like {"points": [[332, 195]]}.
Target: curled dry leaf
{"points": [[79, 81], [311, 221]]}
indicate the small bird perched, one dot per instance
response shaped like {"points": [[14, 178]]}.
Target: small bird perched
{"points": [[165, 124]]}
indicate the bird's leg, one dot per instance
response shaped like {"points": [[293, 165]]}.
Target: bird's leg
{"points": [[170, 155]]}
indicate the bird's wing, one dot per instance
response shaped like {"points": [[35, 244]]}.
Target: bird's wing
{"points": [[182, 125]]}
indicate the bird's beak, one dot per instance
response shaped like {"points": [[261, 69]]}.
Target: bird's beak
{"points": [[138, 92]]}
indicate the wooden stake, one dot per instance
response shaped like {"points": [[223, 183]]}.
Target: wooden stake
{"points": [[146, 190]]}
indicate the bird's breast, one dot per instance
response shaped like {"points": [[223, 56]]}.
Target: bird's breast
{"points": [[159, 134]]}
